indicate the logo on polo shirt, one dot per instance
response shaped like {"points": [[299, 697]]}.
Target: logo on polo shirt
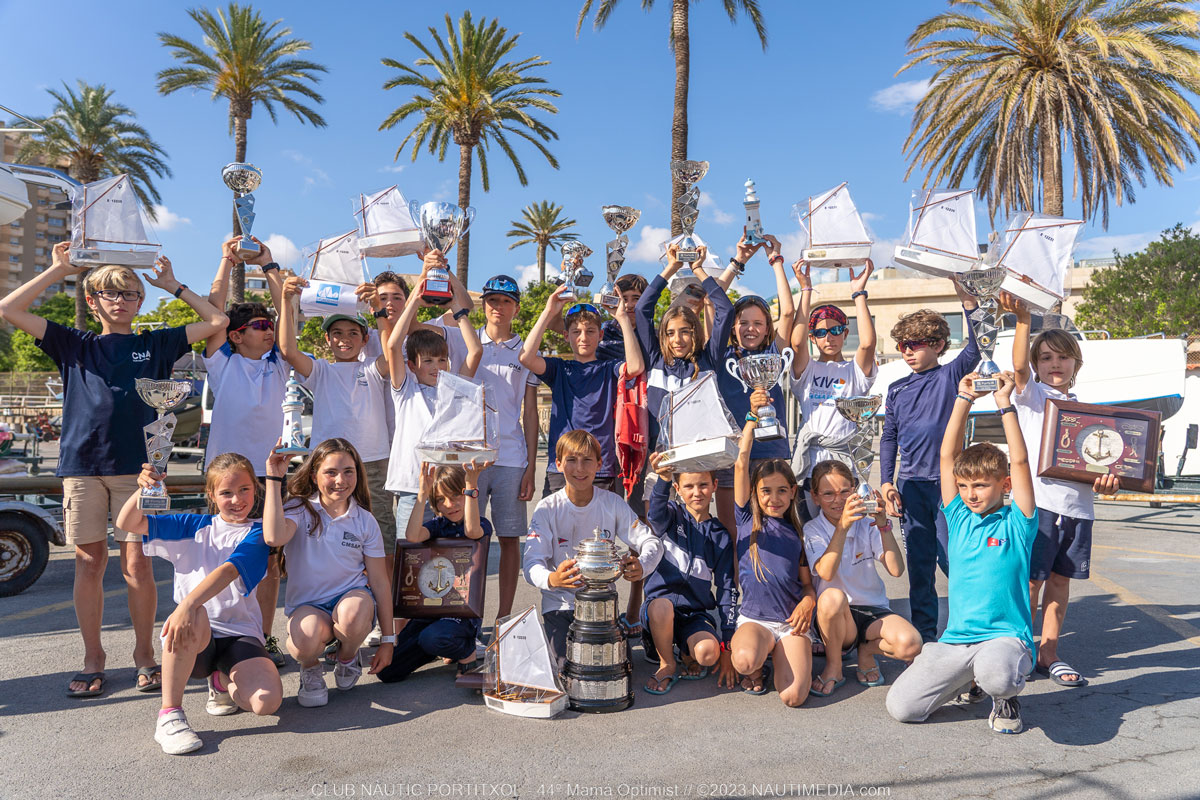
{"points": [[351, 540], [994, 542], [137, 358]]}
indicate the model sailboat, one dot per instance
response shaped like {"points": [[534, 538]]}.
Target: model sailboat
{"points": [[693, 436], [835, 233], [335, 269], [385, 227], [519, 676], [463, 428], [1035, 251], [109, 225], [941, 233]]}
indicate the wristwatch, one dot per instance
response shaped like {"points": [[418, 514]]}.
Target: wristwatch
{"points": [[389, 639], [886, 527], [471, 493], [1006, 410], [740, 266], [270, 265], [179, 291], [462, 312], [381, 313]]}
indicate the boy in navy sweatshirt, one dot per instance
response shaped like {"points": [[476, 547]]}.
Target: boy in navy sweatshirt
{"points": [[918, 408], [697, 554]]}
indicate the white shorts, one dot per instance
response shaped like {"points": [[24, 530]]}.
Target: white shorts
{"points": [[777, 629]]}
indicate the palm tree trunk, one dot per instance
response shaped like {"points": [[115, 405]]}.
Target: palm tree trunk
{"points": [[679, 122], [465, 153], [84, 173], [237, 275], [1051, 164], [541, 262]]}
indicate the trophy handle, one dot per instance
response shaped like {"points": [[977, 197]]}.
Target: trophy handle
{"points": [[732, 368], [787, 356], [468, 218]]}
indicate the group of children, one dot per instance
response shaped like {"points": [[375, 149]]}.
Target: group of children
{"points": [[784, 569]]}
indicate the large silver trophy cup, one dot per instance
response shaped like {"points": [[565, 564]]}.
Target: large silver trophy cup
{"points": [[574, 274], [620, 219], [244, 179], [983, 284], [689, 173], [441, 226], [762, 371], [162, 396], [860, 411]]}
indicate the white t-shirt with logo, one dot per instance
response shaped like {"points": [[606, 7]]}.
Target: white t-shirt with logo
{"points": [[413, 406], [1061, 497], [819, 385], [247, 414], [856, 575], [349, 401], [326, 560]]}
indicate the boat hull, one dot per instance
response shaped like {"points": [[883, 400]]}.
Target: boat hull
{"points": [[938, 264], [842, 256]]}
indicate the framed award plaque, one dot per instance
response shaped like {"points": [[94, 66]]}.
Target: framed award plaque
{"points": [[1082, 441], [440, 578]]}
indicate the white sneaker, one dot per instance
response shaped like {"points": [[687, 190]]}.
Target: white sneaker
{"points": [[346, 675], [175, 735], [313, 691], [219, 704], [374, 636]]}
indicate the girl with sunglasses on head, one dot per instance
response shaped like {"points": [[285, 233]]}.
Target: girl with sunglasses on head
{"points": [[818, 382]]}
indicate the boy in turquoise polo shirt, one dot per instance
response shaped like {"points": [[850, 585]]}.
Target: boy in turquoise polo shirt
{"points": [[989, 636]]}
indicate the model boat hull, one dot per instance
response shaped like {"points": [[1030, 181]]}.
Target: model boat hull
{"points": [[939, 264], [841, 256], [702, 456], [142, 259], [457, 456], [391, 245]]}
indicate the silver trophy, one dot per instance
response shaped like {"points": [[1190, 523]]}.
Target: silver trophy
{"points": [[441, 226], [574, 274], [689, 173], [983, 284], [244, 179], [754, 229], [762, 370], [162, 396], [860, 410], [620, 219], [292, 438]]}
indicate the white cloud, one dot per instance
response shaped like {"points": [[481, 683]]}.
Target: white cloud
{"points": [[713, 211], [900, 98], [529, 273], [646, 248], [166, 219], [1103, 246], [392, 168], [284, 250], [868, 216]]}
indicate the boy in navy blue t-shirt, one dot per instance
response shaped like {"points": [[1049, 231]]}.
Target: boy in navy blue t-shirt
{"points": [[989, 634], [583, 391], [102, 448]]}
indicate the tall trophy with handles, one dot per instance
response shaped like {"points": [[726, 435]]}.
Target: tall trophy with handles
{"points": [[620, 219], [243, 179], [689, 173], [860, 410], [441, 226], [983, 284], [162, 396], [762, 371], [574, 273]]}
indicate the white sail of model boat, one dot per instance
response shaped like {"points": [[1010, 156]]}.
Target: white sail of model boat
{"points": [[1035, 250], [693, 435], [335, 269], [835, 234], [109, 225], [385, 227], [519, 676], [463, 427], [941, 232]]}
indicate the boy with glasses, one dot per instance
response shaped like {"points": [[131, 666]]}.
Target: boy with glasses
{"points": [[102, 448], [918, 408]]}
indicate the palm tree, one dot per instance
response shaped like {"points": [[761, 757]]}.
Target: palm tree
{"points": [[473, 98], [246, 61], [1023, 80], [680, 43], [541, 225], [97, 138]]}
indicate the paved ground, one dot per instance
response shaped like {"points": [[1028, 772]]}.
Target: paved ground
{"points": [[1134, 630]]}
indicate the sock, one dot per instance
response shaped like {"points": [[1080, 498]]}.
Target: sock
{"points": [[216, 679], [169, 710]]}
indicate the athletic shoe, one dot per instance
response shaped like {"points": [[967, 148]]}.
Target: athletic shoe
{"points": [[174, 734], [1006, 715], [374, 636], [346, 675], [219, 704], [313, 691], [971, 696], [275, 653]]}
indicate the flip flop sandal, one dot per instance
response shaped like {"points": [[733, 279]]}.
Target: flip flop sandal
{"points": [[151, 685], [671, 681], [630, 628], [88, 678], [1056, 671], [766, 676], [697, 676], [836, 684], [862, 674]]}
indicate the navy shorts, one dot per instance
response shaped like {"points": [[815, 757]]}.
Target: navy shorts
{"points": [[1063, 546], [687, 624], [223, 653], [865, 616]]}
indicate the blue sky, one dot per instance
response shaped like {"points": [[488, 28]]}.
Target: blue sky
{"points": [[821, 105]]}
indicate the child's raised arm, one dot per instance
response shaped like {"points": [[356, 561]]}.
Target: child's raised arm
{"points": [[799, 339], [1020, 355], [14, 308], [635, 363], [212, 318], [415, 530], [278, 530], [1018, 455], [131, 518], [865, 355], [471, 525], [288, 346], [741, 467], [953, 438], [529, 356], [470, 339], [218, 293], [783, 290], [394, 346]]}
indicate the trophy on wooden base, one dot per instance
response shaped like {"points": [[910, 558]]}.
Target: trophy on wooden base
{"points": [[441, 226]]}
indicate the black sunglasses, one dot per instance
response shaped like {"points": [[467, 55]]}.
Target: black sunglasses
{"points": [[832, 330]]}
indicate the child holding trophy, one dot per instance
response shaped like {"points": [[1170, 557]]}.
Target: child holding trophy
{"points": [[102, 448]]}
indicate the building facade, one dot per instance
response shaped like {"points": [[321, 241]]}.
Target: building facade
{"points": [[26, 244]]}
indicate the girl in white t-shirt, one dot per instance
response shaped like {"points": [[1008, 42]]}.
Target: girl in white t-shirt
{"points": [[842, 545], [215, 631], [329, 538], [818, 383]]}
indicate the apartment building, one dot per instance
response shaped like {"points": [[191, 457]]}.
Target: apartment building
{"points": [[26, 244]]}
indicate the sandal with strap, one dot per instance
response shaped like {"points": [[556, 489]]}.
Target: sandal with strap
{"points": [[89, 678], [153, 676], [1056, 671]]}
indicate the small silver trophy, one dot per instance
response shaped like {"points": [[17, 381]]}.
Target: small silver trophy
{"points": [[983, 284], [754, 228], [162, 396], [620, 219], [574, 274], [244, 179], [292, 438], [689, 173], [762, 370], [860, 410], [441, 226]]}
